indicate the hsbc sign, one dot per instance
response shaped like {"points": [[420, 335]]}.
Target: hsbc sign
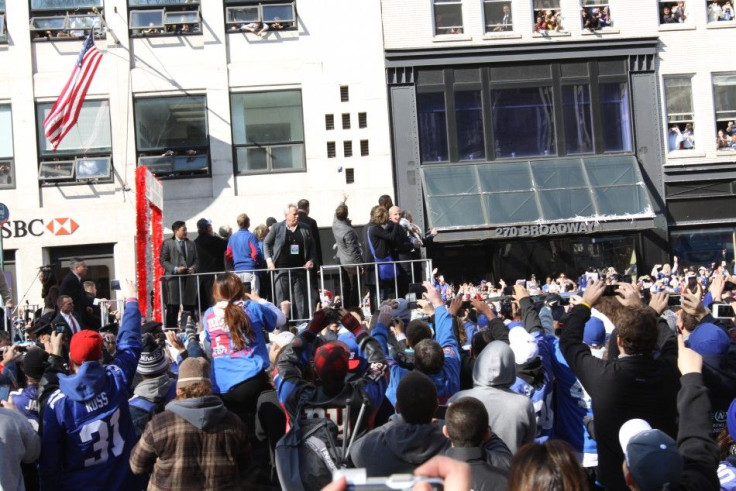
{"points": [[16, 229]]}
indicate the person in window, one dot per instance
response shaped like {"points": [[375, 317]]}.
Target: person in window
{"points": [[714, 11], [727, 12], [688, 139], [722, 141], [540, 25], [505, 23], [668, 17], [605, 19], [679, 12]]}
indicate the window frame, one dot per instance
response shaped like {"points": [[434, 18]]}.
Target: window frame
{"points": [[9, 160], [165, 27], [72, 157], [719, 21], [669, 120], [486, 84], [722, 122], [270, 169], [661, 4], [494, 28], [589, 5], [172, 153], [460, 29], [558, 12], [67, 31], [261, 7]]}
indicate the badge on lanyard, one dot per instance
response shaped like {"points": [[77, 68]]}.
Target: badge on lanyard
{"points": [[294, 248]]}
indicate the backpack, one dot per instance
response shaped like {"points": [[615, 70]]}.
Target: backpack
{"points": [[308, 454], [142, 411]]}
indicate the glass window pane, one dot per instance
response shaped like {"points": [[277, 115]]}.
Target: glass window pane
{"points": [[170, 123], [720, 11], [505, 177], [252, 159], [7, 174], [678, 95], [273, 13], [450, 180], [608, 171], [621, 200], [267, 117], [724, 88], [147, 3], [2, 5], [577, 119], [432, 127], [65, 4], [523, 123], [615, 116], [562, 204], [190, 163], [287, 157], [469, 122], [44, 23], [703, 246], [90, 134], [516, 207], [146, 18], [515, 73], [555, 174], [448, 17], [6, 132], [546, 4], [236, 15], [182, 17], [497, 16], [456, 211], [98, 168]]}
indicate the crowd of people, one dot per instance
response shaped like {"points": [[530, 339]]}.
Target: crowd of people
{"points": [[675, 14], [597, 380], [547, 20], [720, 11], [596, 18]]}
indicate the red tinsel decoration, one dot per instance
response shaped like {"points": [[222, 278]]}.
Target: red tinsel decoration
{"points": [[157, 235], [141, 239]]}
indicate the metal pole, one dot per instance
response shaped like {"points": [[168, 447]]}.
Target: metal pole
{"points": [[309, 292]]}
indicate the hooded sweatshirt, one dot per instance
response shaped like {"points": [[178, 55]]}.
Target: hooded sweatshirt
{"points": [[398, 447], [150, 397], [194, 444], [510, 415]]}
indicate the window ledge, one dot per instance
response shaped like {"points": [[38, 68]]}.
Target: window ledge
{"points": [[721, 24], [443, 38], [551, 34], [501, 35], [685, 154], [677, 27], [725, 153], [599, 32]]}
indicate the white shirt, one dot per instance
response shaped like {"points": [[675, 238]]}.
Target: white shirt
{"points": [[72, 322]]}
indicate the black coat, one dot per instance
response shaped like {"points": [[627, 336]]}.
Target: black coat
{"points": [[485, 476], [72, 286], [637, 386], [211, 252], [314, 229]]}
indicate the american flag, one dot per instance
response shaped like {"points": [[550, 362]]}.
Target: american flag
{"points": [[64, 114]]}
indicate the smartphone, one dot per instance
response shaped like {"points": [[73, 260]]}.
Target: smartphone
{"points": [[185, 315], [21, 349], [673, 301], [466, 304], [247, 288], [59, 328], [610, 291], [508, 291], [723, 311], [521, 282], [417, 289], [729, 286], [115, 285], [411, 300], [692, 283], [591, 276]]}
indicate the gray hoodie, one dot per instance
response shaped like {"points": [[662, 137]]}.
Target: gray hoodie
{"points": [[510, 415], [201, 412], [155, 389]]}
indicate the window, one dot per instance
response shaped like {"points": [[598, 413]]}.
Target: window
{"points": [[595, 15], [164, 17], [448, 17], [518, 111], [84, 153], [260, 17], [547, 16], [679, 103], [171, 135], [349, 175], [497, 14], [720, 11], [65, 19], [672, 12], [331, 152], [3, 32], [344, 93], [346, 121], [268, 131], [7, 165], [347, 148], [362, 120], [329, 121], [724, 90], [364, 148]]}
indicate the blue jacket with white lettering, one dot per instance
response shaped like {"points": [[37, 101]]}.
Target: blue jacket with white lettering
{"points": [[87, 431]]}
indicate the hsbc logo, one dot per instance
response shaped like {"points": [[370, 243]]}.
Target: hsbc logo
{"points": [[16, 229]]}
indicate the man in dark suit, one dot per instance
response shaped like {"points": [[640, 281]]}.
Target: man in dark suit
{"points": [[68, 319], [180, 261], [72, 285], [303, 211], [290, 244], [211, 252]]}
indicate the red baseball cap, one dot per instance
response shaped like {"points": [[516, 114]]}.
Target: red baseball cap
{"points": [[331, 362], [86, 345]]}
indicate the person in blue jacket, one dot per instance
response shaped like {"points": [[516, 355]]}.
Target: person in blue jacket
{"points": [[87, 432], [438, 359]]}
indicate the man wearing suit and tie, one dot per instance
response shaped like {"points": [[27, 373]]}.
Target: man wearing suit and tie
{"points": [[72, 285], [505, 23], [289, 244], [180, 261]]}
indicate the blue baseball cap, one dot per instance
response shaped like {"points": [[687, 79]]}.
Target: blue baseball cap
{"points": [[594, 333], [709, 339], [483, 321]]}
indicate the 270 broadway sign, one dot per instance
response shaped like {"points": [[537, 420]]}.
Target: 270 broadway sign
{"points": [[538, 230]]}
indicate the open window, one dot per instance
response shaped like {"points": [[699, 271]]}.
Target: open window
{"points": [[84, 155], [678, 95], [260, 17], [171, 135], [595, 15], [7, 164], [497, 14], [268, 131], [720, 11], [547, 16], [672, 12], [724, 93], [164, 17], [67, 19]]}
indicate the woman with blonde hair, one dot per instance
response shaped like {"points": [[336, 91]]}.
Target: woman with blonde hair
{"points": [[548, 466], [234, 329]]}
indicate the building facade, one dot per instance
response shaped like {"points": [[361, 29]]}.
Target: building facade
{"points": [[534, 131], [236, 105]]}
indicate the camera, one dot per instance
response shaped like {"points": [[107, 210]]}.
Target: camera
{"points": [[357, 479], [59, 327], [723, 311], [610, 291], [332, 316]]}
